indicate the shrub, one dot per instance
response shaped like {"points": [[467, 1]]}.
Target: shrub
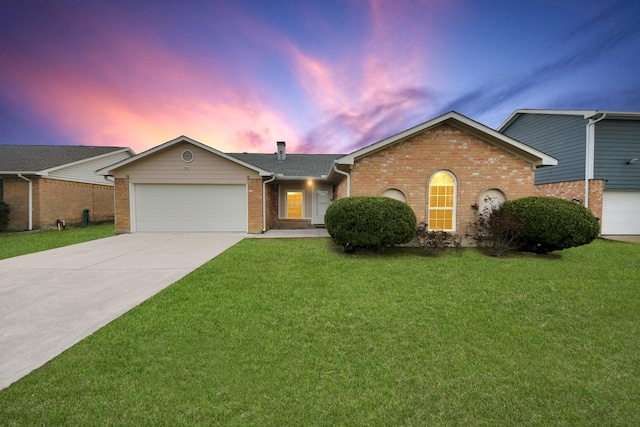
{"points": [[370, 222], [434, 241], [497, 230], [550, 224], [4, 215]]}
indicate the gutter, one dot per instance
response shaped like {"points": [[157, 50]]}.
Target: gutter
{"points": [[590, 153], [30, 200], [335, 168], [264, 201]]}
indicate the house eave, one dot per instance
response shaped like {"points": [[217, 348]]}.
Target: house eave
{"points": [[45, 172], [586, 114], [452, 118], [280, 177], [19, 173], [109, 169]]}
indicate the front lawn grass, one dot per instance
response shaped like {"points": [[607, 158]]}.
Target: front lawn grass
{"points": [[15, 244], [294, 332]]}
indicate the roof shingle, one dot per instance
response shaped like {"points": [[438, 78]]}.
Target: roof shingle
{"points": [[34, 158], [294, 165]]}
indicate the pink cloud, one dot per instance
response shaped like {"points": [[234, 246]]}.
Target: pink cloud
{"points": [[133, 91], [375, 86]]}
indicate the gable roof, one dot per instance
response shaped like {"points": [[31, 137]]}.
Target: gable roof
{"points": [[294, 165], [41, 159], [586, 114], [109, 169], [465, 124]]}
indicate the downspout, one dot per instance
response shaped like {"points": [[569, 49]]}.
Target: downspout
{"points": [[590, 155], [335, 168], [264, 202], [30, 200]]}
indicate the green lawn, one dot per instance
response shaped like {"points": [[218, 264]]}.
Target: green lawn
{"points": [[294, 332], [15, 244]]}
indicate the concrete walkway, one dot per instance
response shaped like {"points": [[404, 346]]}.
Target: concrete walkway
{"points": [[292, 234], [51, 300], [626, 239]]}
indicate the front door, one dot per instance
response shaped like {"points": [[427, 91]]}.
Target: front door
{"points": [[321, 201]]}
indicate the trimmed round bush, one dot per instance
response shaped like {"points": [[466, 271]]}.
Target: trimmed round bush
{"points": [[370, 222], [550, 224]]}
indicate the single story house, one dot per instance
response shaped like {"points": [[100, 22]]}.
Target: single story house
{"points": [[443, 168], [46, 183], [598, 154]]}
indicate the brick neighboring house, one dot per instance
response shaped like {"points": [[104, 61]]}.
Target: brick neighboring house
{"points": [[443, 168], [44, 183], [598, 154]]}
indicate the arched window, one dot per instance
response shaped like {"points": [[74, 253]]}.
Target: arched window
{"points": [[442, 201], [392, 193]]}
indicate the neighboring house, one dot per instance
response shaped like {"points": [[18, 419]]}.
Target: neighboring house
{"points": [[443, 169], [598, 156], [44, 184]]}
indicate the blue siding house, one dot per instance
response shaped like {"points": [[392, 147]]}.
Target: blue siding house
{"points": [[598, 156]]}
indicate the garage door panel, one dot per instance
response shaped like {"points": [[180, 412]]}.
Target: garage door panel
{"points": [[621, 212], [190, 208]]}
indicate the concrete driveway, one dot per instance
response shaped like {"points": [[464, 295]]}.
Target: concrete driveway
{"points": [[51, 300]]}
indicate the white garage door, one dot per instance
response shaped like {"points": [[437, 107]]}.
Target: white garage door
{"points": [[190, 208], [621, 212]]}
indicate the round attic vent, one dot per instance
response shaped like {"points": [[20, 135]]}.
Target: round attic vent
{"points": [[187, 156]]}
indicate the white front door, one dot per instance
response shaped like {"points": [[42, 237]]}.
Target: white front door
{"points": [[321, 201]]}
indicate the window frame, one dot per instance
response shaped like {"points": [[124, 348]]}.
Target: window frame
{"points": [[452, 209], [302, 207]]}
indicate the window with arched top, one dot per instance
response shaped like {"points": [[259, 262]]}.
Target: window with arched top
{"points": [[392, 193], [442, 201]]}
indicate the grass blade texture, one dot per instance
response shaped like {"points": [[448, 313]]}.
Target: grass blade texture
{"points": [[295, 332]]}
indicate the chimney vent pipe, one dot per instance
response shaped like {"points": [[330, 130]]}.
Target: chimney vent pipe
{"points": [[281, 150]]}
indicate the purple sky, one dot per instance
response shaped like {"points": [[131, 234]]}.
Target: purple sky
{"points": [[324, 76]]}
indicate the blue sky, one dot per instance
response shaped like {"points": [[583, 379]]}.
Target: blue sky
{"points": [[324, 76]]}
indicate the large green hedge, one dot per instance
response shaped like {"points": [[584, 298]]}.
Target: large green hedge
{"points": [[549, 224], [370, 222]]}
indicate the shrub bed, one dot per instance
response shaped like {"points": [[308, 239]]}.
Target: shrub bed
{"points": [[370, 222], [549, 224]]}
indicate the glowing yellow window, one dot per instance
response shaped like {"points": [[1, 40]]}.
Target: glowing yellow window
{"points": [[442, 192], [294, 204]]}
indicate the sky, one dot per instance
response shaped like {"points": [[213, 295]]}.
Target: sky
{"points": [[326, 76]]}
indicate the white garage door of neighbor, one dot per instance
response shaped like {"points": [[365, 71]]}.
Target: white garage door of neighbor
{"points": [[190, 208], [621, 212]]}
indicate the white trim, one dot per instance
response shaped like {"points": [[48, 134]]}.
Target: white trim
{"points": [[286, 203], [30, 203], [45, 172], [133, 226], [107, 170]]}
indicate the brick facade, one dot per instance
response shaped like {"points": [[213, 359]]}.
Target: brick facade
{"points": [[55, 199], [574, 190], [122, 206], [272, 205], [408, 166], [254, 190], [16, 195]]}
